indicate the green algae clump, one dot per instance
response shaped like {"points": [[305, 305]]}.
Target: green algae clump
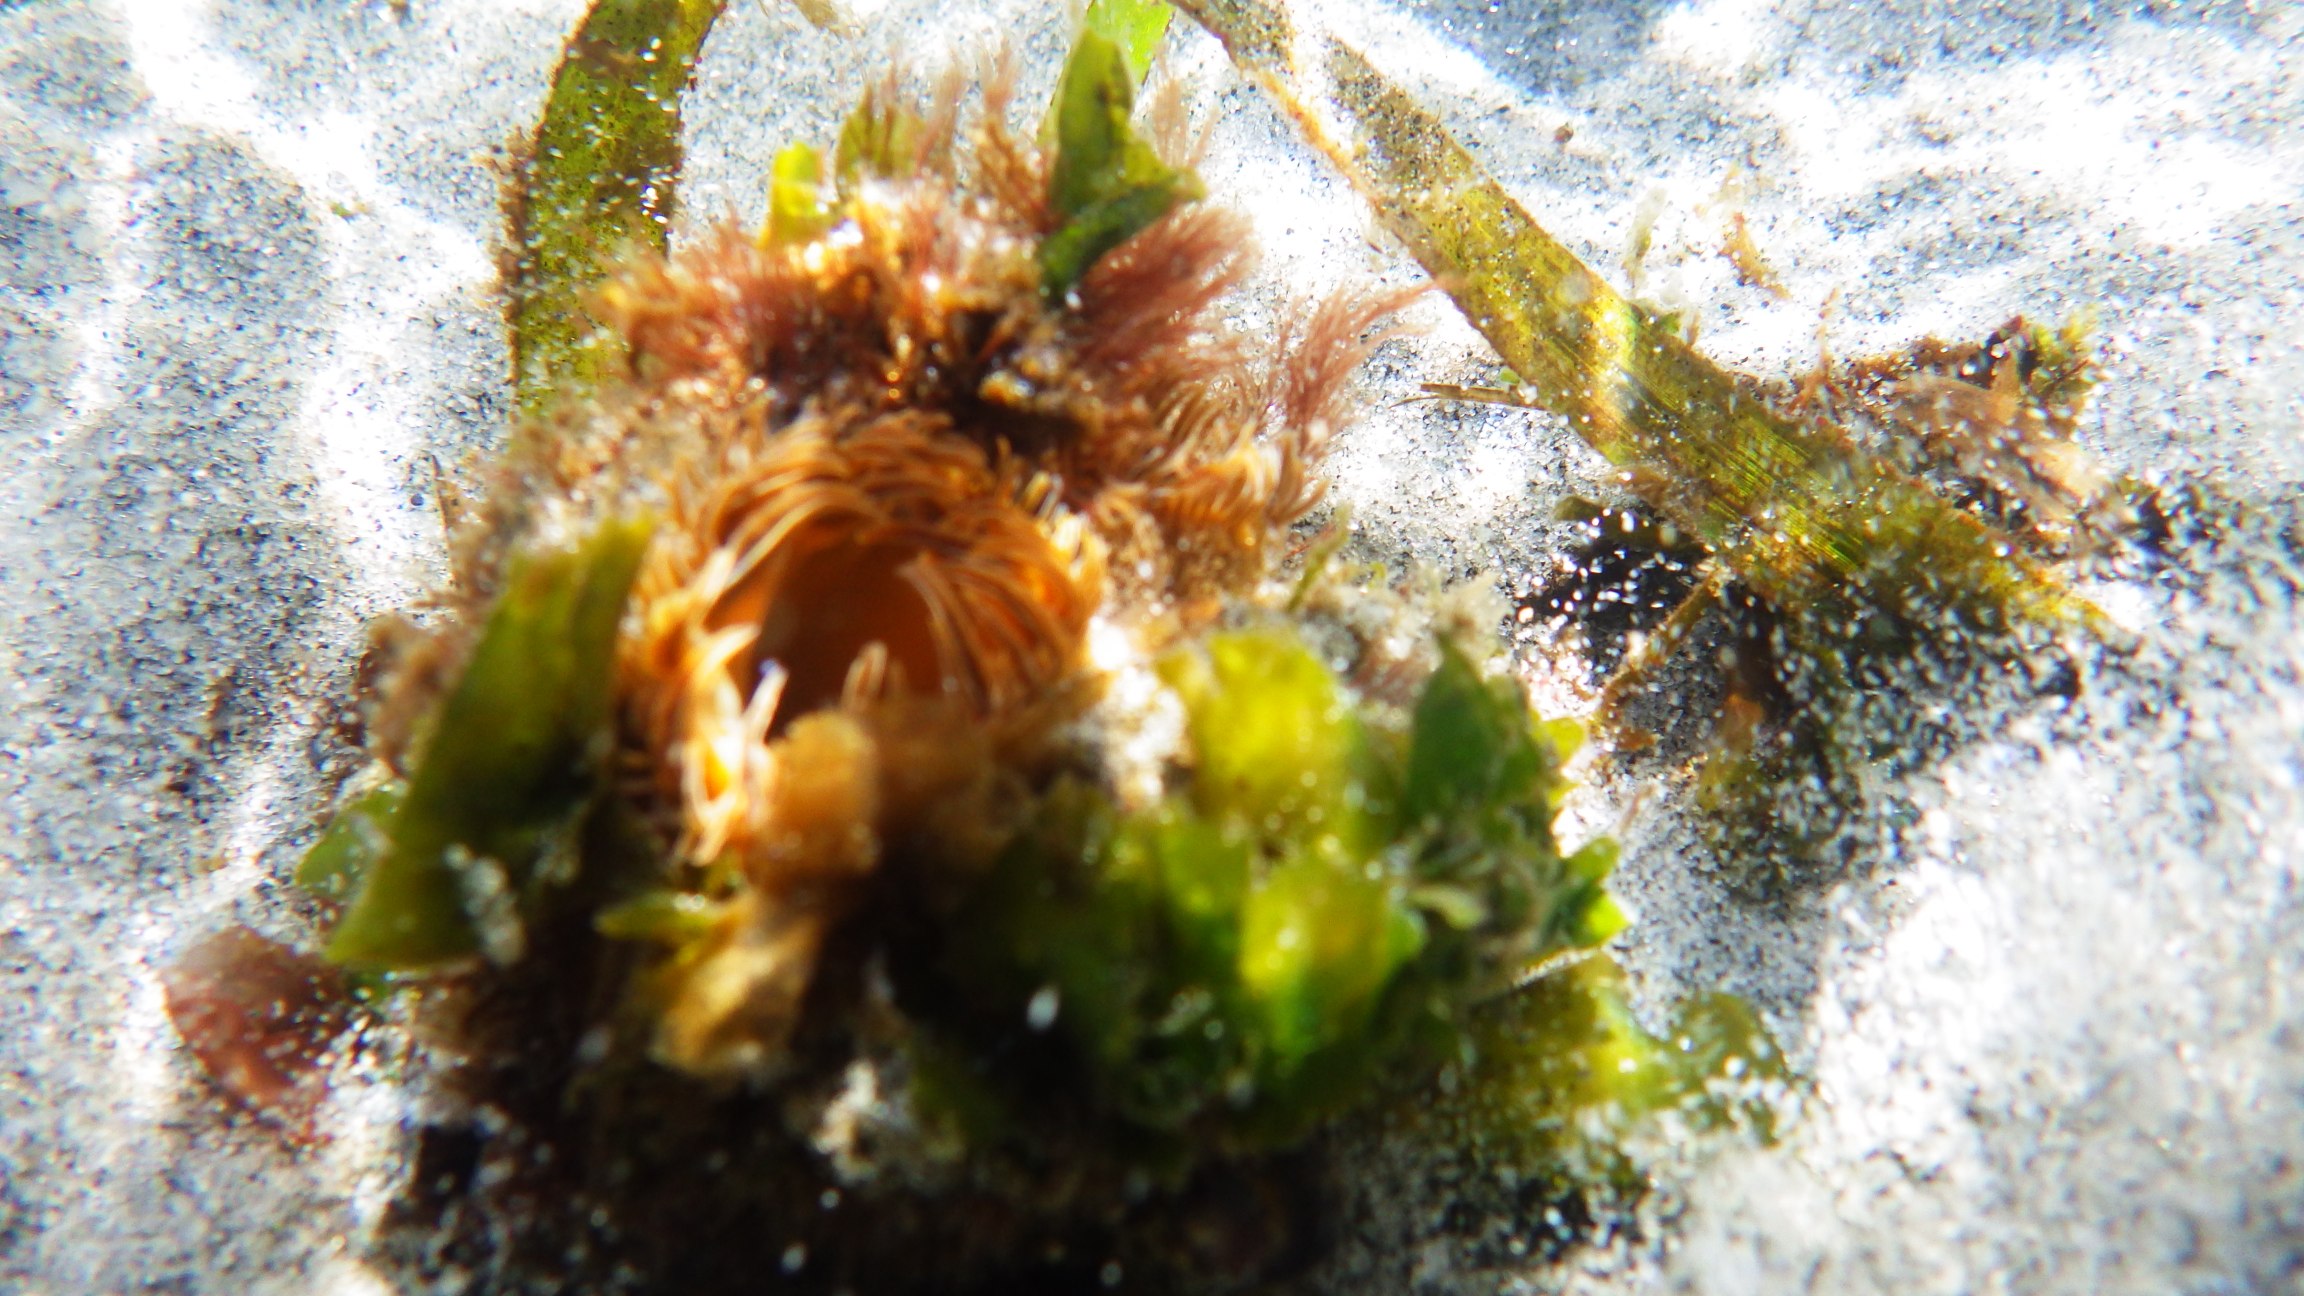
{"points": [[1568, 1123], [1323, 896], [1566, 1077]]}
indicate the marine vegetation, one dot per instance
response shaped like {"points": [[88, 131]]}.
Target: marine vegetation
{"points": [[1874, 531], [602, 171], [871, 805]]}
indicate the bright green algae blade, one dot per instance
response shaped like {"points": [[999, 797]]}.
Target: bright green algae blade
{"points": [[510, 765], [354, 840], [601, 177], [1136, 27], [1104, 184], [1803, 517], [797, 210]]}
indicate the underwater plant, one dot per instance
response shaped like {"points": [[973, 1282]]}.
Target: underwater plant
{"points": [[1872, 532], [870, 801]]}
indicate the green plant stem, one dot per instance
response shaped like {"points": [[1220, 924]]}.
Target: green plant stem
{"points": [[601, 176], [1857, 549]]}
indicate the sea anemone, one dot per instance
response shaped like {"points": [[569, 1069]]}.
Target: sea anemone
{"points": [[891, 466], [771, 738]]}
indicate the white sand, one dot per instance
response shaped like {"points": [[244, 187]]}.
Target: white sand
{"points": [[246, 301]]}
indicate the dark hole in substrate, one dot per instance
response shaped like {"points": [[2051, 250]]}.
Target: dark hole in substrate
{"points": [[1538, 1221], [446, 1158], [1626, 577]]}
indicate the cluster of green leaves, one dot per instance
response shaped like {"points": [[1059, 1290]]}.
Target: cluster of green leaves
{"points": [[1326, 898], [1104, 183], [441, 868], [2063, 368]]}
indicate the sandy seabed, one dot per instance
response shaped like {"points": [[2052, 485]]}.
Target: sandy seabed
{"points": [[247, 312]]}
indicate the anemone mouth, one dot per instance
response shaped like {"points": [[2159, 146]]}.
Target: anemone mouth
{"points": [[833, 564], [901, 534], [842, 615]]}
